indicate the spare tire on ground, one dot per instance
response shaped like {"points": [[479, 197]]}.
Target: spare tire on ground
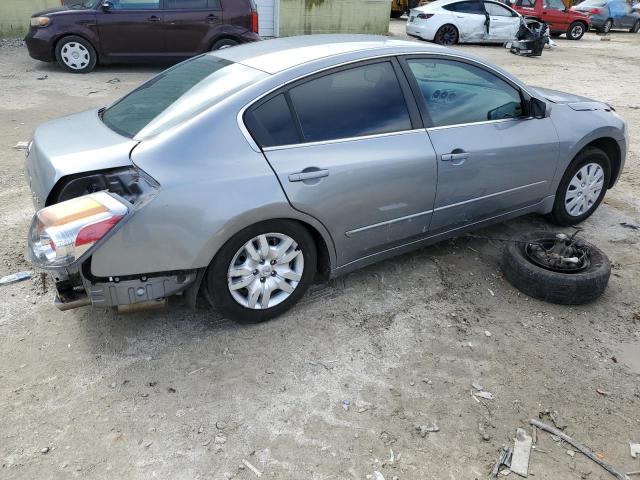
{"points": [[556, 268]]}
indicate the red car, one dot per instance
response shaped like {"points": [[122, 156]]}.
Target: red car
{"points": [[555, 14], [108, 31]]}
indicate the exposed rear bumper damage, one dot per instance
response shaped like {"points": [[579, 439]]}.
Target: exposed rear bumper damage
{"points": [[75, 288]]}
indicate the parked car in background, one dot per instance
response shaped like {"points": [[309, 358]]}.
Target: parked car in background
{"points": [[556, 15], [610, 14], [109, 31], [448, 22], [260, 169]]}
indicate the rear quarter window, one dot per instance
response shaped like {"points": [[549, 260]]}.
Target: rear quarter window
{"points": [[271, 123]]}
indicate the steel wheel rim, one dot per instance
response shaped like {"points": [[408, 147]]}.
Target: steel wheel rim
{"points": [[576, 31], [607, 26], [584, 189], [265, 271], [75, 55], [448, 36]]}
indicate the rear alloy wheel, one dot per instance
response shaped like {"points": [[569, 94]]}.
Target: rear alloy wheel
{"points": [[446, 35], [576, 31], [636, 27], [556, 268], [262, 271], [76, 55], [224, 43], [606, 28], [582, 187]]}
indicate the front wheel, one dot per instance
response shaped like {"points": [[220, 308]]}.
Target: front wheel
{"points": [[606, 28], [262, 271], [446, 35], [582, 187], [636, 27], [76, 55], [576, 31]]}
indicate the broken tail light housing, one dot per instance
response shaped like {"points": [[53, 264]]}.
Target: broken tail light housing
{"points": [[63, 233], [595, 11]]}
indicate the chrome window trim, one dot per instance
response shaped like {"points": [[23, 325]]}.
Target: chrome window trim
{"points": [[342, 140], [483, 122], [256, 147]]}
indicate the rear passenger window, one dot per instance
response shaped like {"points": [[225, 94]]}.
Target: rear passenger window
{"points": [[271, 123], [465, 7], [360, 101], [191, 4]]}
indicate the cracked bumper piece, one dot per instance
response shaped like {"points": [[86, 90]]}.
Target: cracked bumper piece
{"points": [[116, 292]]}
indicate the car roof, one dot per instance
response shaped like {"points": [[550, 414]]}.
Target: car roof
{"points": [[279, 54]]}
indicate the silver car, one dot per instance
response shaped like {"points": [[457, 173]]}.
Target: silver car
{"points": [[250, 173]]}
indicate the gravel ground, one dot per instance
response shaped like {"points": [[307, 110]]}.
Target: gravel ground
{"points": [[188, 395]]}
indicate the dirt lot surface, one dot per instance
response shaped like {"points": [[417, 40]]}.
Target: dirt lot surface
{"points": [[182, 395]]}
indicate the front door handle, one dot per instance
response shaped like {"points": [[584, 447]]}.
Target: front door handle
{"points": [[212, 18], [309, 175], [454, 157], [154, 19]]}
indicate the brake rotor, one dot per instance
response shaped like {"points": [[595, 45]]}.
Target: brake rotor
{"points": [[561, 254]]}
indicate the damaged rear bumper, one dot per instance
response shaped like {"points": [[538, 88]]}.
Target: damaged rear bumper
{"points": [[77, 288]]}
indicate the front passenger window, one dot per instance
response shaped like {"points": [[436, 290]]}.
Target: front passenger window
{"points": [[135, 4], [458, 93]]}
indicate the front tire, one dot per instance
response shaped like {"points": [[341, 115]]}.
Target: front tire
{"points": [[576, 31], [446, 35], [606, 28], [582, 187], [636, 27], [76, 55], [262, 271], [224, 43]]}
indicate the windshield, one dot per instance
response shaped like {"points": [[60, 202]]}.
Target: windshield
{"points": [[177, 95]]}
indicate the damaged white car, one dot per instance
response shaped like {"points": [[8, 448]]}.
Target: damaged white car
{"points": [[448, 22]]}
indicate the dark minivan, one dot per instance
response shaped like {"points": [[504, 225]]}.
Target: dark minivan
{"points": [[108, 31]]}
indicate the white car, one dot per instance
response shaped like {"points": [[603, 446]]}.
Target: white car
{"points": [[469, 21]]}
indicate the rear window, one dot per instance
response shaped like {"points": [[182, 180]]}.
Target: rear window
{"points": [[466, 7], [177, 95]]}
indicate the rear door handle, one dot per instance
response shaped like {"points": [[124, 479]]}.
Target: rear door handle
{"points": [[453, 157], [302, 176], [154, 19]]}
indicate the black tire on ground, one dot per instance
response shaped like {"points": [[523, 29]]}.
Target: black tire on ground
{"points": [[636, 27], [218, 269], [86, 59], [224, 43], [606, 28], [446, 35], [576, 30], [559, 214], [563, 288]]}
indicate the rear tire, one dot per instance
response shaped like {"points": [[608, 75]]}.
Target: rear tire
{"points": [[589, 156], [446, 35], [76, 55], [606, 28], [293, 272], [224, 43], [636, 27], [576, 31]]}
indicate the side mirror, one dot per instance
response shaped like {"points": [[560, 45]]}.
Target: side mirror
{"points": [[537, 108], [106, 5]]}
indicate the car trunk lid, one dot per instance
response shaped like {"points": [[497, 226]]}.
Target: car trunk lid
{"points": [[69, 145]]}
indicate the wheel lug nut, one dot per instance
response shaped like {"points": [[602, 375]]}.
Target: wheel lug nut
{"points": [[262, 279], [261, 262], [255, 272], [273, 274], [273, 262]]}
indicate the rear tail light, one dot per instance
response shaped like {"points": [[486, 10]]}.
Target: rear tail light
{"points": [[595, 11], [425, 16], [61, 234], [254, 21]]}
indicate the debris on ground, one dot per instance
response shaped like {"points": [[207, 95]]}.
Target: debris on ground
{"points": [[602, 392], [487, 333], [15, 277], [44, 77], [21, 145], [346, 404], [113, 80], [578, 446], [376, 476], [257, 472], [45, 450], [504, 460], [521, 453], [555, 418], [424, 429], [634, 449], [481, 392], [630, 225]]}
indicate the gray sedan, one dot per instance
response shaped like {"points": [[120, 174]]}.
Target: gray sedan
{"points": [[248, 174]]}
